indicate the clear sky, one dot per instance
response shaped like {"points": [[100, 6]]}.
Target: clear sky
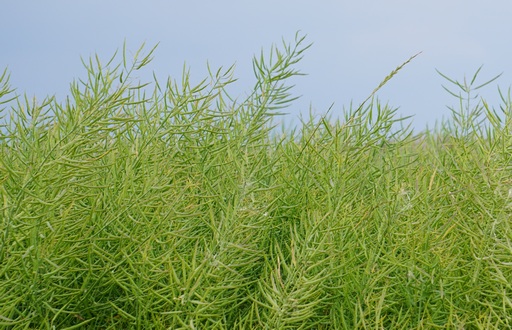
{"points": [[355, 45]]}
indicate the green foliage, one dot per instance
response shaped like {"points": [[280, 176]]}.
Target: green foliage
{"points": [[182, 208]]}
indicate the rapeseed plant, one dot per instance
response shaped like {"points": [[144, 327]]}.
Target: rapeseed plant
{"points": [[181, 208]]}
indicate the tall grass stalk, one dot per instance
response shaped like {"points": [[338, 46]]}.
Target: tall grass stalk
{"points": [[180, 208]]}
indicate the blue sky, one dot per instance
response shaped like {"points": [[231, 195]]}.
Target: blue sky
{"points": [[355, 45]]}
